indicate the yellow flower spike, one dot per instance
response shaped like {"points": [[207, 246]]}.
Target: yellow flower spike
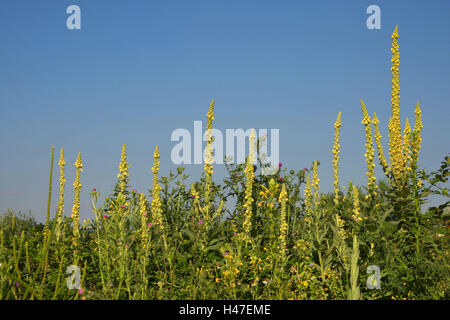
{"points": [[381, 156], [76, 203], [62, 183], [209, 159], [308, 200], [336, 150], [156, 202], [123, 169], [395, 131], [407, 145], [340, 227], [144, 225], [315, 184], [370, 152], [283, 223], [249, 175], [356, 209], [417, 135]]}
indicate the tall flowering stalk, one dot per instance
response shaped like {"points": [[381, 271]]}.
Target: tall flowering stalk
{"points": [[62, 184], [123, 169], [356, 209], [208, 168], [336, 150], [283, 223], [315, 184], [76, 202], [417, 135], [249, 176], [156, 201], [407, 145], [144, 221], [144, 244], [308, 199], [370, 152], [381, 156], [395, 130]]}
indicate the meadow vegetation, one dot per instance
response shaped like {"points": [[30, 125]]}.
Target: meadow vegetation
{"points": [[281, 239]]}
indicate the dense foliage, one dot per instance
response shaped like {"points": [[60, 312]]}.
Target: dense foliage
{"points": [[252, 236]]}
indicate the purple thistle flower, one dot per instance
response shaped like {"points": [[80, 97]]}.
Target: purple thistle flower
{"points": [[94, 190], [200, 222], [17, 284], [80, 291], [122, 207], [227, 253], [280, 164], [105, 216]]}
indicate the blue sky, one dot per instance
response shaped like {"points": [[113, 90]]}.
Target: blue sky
{"points": [[139, 69]]}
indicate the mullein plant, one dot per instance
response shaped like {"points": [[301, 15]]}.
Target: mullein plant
{"points": [[336, 151], [248, 204], [208, 168], [60, 207], [283, 225], [370, 152], [159, 222], [76, 209]]}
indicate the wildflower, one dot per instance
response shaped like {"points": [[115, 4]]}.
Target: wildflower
{"points": [[76, 203], [356, 209], [122, 207], [234, 233], [369, 155], [80, 291], [134, 190], [208, 168], [280, 164], [235, 175], [227, 253], [62, 183], [123, 169], [249, 187], [105, 216], [381, 157], [200, 222], [416, 136], [150, 225], [94, 190], [218, 280], [280, 179], [283, 223], [407, 144], [308, 198], [143, 213], [336, 150], [395, 135], [156, 202], [17, 284]]}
